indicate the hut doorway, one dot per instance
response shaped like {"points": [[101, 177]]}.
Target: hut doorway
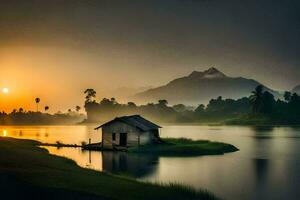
{"points": [[123, 139]]}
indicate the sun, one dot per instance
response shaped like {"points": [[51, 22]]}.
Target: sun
{"points": [[5, 90]]}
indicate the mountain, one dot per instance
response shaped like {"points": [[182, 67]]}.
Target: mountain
{"points": [[200, 87], [296, 90], [122, 93]]}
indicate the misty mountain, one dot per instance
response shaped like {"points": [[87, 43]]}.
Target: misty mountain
{"points": [[296, 89], [122, 93], [200, 87]]}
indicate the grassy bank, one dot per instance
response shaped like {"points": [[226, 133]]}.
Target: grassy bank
{"points": [[185, 147], [264, 120], [27, 170]]}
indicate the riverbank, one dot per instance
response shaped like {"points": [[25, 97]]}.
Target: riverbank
{"points": [[166, 147], [263, 120], [184, 147], [28, 171]]}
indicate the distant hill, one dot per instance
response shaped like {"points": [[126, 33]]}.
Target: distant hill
{"points": [[297, 89], [200, 87]]}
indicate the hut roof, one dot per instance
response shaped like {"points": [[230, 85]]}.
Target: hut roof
{"points": [[134, 120]]}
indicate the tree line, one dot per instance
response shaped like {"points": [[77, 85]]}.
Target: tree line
{"points": [[21, 116], [259, 107]]}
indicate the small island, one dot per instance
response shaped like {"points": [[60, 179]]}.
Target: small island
{"points": [[166, 147], [136, 134], [184, 147]]}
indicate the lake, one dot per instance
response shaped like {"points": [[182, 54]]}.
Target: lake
{"points": [[266, 167]]}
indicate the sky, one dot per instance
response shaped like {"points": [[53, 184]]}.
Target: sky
{"points": [[57, 48]]}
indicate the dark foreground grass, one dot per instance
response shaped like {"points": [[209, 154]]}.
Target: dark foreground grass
{"points": [[30, 172], [185, 147]]}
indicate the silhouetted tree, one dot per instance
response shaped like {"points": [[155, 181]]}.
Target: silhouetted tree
{"points": [[163, 102], [113, 100], [131, 105], [294, 97], [180, 107], [106, 102], [200, 109], [287, 96], [257, 98], [37, 101], [90, 94], [30, 117], [268, 102]]}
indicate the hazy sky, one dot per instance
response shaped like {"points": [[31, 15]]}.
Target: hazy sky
{"points": [[55, 49]]}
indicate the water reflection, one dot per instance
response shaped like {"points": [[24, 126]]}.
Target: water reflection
{"points": [[296, 128], [114, 162], [4, 133], [263, 129], [261, 169], [52, 134], [89, 159], [266, 167], [263, 132], [128, 164]]}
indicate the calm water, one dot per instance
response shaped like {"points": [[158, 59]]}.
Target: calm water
{"points": [[266, 167]]}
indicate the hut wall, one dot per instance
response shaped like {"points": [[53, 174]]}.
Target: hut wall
{"points": [[145, 138], [117, 128]]}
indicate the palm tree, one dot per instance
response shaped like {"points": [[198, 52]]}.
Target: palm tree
{"points": [[37, 101], [46, 108], [257, 98], [90, 93]]}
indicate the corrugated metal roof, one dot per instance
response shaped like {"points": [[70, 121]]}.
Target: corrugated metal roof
{"points": [[136, 121]]}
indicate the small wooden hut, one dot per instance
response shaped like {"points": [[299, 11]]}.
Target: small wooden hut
{"points": [[128, 131]]}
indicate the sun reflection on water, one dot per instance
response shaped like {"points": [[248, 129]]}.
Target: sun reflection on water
{"points": [[4, 133]]}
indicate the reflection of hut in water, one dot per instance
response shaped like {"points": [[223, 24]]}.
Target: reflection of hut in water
{"points": [[261, 167], [123, 132], [132, 164]]}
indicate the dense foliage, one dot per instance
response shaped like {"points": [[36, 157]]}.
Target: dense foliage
{"points": [[22, 117], [260, 106]]}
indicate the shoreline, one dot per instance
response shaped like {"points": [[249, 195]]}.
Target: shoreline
{"points": [[34, 167], [169, 147]]}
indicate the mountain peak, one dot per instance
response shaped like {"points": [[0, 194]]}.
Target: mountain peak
{"points": [[212, 70], [209, 73], [201, 87]]}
